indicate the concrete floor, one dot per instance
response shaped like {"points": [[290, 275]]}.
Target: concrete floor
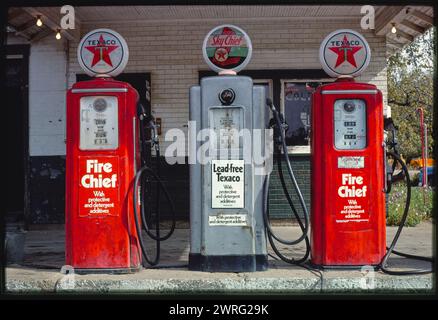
{"points": [[44, 257]]}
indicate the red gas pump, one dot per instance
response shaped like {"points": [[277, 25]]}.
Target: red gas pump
{"points": [[102, 160], [348, 177]]}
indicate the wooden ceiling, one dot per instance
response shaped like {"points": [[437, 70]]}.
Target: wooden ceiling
{"points": [[410, 21]]}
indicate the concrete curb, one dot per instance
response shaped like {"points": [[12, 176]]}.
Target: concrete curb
{"points": [[242, 285]]}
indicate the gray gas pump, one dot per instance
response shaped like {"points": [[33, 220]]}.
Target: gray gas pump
{"points": [[226, 194]]}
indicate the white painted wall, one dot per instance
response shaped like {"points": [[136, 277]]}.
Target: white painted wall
{"points": [[47, 88]]}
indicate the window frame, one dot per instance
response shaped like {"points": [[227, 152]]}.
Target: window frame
{"points": [[302, 149]]}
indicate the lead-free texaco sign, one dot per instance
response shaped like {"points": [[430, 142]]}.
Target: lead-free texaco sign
{"points": [[103, 52], [344, 52], [227, 47]]}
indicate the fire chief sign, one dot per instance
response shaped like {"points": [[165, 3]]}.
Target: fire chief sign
{"points": [[98, 186], [103, 52], [227, 47], [344, 52]]}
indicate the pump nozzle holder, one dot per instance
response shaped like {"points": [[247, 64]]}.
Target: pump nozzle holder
{"points": [[270, 104]]}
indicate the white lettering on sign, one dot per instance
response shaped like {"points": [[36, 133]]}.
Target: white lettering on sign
{"points": [[226, 41], [350, 189], [353, 210], [90, 180], [227, 183]]}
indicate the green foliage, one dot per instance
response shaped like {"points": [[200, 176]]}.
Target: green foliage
{"points": [[420, 207], [410, 86], [415, 179]]}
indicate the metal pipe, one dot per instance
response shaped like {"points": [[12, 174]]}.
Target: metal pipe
{"points": [[423, 156], [425, 178]]}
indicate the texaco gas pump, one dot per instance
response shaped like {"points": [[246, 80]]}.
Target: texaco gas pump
{"points": [[348, 162], [226, 197], [102, 160]]}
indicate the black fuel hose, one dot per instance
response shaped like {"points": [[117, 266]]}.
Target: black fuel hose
{"points": [[271, 234], [146, 220], [304, 227], [390, 249], [139, 177], [145, 224]]}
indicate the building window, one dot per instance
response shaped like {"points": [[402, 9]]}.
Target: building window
{"points": [[296, 105]]}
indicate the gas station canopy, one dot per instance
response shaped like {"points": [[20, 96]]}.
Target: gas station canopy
{"points": [[410, 21]]}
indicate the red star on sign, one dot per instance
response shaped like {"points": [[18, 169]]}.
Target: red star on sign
{"points": [[345, 52], [101, 51]]}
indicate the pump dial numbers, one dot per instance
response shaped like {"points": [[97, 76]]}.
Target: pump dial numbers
{"points": [[226, 123], [350, 124], [98, 123]]}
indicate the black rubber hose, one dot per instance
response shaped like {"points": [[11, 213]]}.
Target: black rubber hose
{"points": [[389, 186], [390, 249], [136, 213], [146, 221], [291, 205], [269, 233], [290, 171], [412, 256], [146, 121], [138, 225], [304, 227]]}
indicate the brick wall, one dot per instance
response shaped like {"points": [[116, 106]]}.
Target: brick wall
{"points": [[171, 51], [278, 205]]}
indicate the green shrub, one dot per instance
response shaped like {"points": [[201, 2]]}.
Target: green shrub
{"points": [[420, 207], [415, 179]]}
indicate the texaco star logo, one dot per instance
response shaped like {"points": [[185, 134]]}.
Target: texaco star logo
{"points": [[345, 52], [221, 54], [101, 51]]}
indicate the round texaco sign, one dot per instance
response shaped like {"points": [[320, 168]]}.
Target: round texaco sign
{"points": [[344, 52], [227, 47], [103, 52]]}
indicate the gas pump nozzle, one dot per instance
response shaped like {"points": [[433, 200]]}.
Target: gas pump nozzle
{"points": [[278, 129], [392, 144], [391, 127], [148, 122], [154, 139]]}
